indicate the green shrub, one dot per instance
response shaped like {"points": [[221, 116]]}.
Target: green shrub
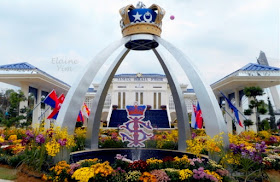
{"points": [[16, 160]]}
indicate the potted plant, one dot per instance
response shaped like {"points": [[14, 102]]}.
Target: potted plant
{"points": [[115, 107], [149, 107], [163, 107]]}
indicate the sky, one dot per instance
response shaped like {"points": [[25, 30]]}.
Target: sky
{"points": [[61, 37]]}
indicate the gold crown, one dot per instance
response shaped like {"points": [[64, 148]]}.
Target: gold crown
{"points": [[146, 20]]}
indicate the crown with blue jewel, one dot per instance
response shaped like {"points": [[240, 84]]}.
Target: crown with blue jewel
{"points": [[141, 19]]}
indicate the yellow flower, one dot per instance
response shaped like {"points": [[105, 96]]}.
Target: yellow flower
{"points": [[44, 177], [195, 146], [12, 137], [52, 148], [154, 161], [18, 148], [80, 132], [147, 177], [219, 178], [185, 174], [264, 134], [83, 174], [2, 139], [183, 159]]}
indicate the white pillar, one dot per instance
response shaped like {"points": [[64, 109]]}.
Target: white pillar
{"points": [[23, 104], [252, 117], [228, 118], [37, 111], [239, 129]]}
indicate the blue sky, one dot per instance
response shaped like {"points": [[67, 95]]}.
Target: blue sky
{"points": [[219, 36]]}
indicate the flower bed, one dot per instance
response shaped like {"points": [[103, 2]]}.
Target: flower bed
{"points": [[123, 169], [249, 156]]}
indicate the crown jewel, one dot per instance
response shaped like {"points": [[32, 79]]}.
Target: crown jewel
{"points": [[141, 19], [136, 110]]}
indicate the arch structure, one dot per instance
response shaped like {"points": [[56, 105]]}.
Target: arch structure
{"points": [[214, 121]]}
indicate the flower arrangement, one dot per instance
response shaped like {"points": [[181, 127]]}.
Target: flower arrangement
{"points": [[96, 170]]}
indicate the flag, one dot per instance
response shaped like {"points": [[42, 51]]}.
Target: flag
{"points": [[54, 113], [85, 110], [198, 117], [52, 99], [193, 123], [80, 117], [235, 110]]}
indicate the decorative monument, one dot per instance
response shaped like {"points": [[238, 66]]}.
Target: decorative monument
{"points": [[141, 28], [135, 130]]}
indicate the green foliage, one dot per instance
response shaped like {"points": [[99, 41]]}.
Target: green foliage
{"points": [[272, 116], [16, 160], [248, 112], [247, 123], [13, 115], [258, 105], [264, 124], [253, 91], [110, 143]]}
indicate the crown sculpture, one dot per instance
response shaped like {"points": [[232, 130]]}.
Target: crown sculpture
{"points": [[136, 110], [141, 20]]}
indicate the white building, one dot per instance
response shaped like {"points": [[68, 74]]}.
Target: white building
{"points": [[145, 89]]}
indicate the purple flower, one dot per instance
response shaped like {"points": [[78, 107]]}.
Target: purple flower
{"points": [[120, 157], [193, 135], [74, 167], [25, 140], [40, 139], [62, 142], [29, 133], [273, 139]]}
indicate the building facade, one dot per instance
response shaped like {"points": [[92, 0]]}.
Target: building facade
{"points": [[143, 89]]}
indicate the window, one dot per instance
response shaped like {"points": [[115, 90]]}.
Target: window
{"points": [[141, 98], [157, 86], [121, 86]]}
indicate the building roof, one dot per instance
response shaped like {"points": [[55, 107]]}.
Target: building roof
{"points": [[249, 67], [249, 75], [257, 67], [24, 66]]}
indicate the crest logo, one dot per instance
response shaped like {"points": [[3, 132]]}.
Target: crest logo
{"points": [[135, 130]]}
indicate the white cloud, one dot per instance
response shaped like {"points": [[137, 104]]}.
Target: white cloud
{"points": [[219, 37]]}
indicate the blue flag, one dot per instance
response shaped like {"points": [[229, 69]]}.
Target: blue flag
{"points": [[235, 110]]}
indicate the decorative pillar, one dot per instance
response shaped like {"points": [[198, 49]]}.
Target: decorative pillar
{"points": [[37, 111], [23, 104], [228, 115], [252, 117], [239, 129]]}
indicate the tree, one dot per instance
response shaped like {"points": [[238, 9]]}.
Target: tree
{"points": [[13, 115], [247, 123], [272, 115], [257, 106]]}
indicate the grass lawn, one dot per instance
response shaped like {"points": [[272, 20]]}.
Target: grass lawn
{"points": [[9, 174]]}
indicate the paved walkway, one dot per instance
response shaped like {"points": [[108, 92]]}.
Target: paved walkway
{"points": [[4, 180]]}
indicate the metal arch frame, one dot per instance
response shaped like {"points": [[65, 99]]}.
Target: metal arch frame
{"points": [[184, 131], [98, 102], [212, 115], [213, 118], [76, 95]]}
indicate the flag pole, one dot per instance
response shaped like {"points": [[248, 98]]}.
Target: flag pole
{"points": [[37, 105], [228, 114]]}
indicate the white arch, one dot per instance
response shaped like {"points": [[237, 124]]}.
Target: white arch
{"points": [[213, 118]]}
